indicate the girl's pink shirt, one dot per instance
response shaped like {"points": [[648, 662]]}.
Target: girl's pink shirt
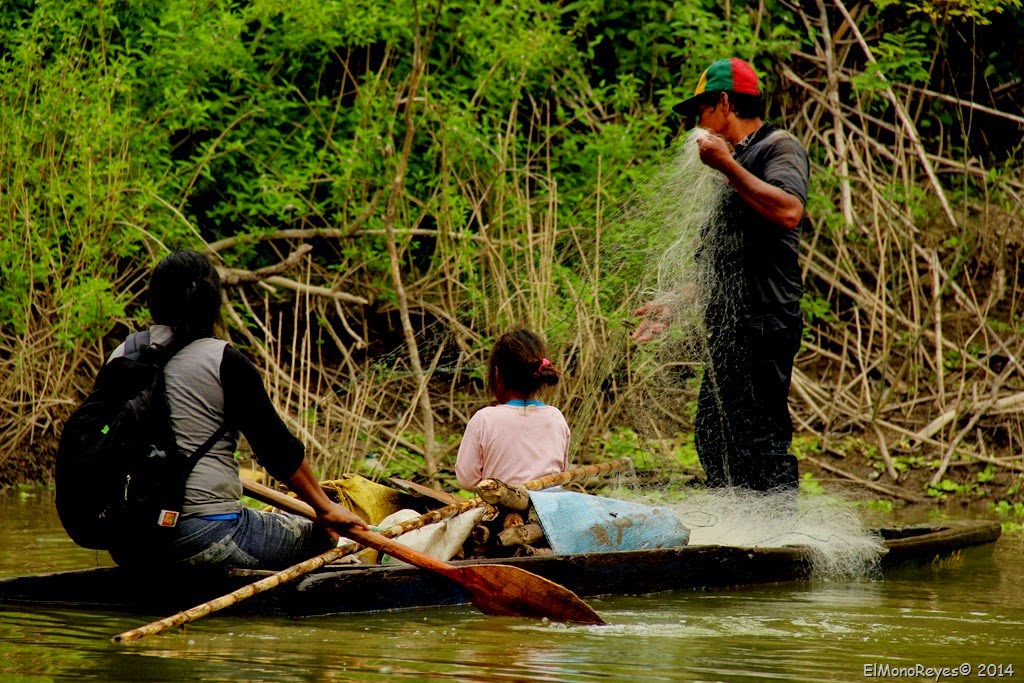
{"points": [[513, 444]]}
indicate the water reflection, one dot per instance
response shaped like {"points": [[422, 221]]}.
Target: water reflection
{"points": [[970, 609]]}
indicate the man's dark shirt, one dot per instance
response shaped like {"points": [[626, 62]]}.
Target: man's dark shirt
{"points": [[756, 278]]}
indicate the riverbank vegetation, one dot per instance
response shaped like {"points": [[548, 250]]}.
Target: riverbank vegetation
{"points": [[387, 187]]}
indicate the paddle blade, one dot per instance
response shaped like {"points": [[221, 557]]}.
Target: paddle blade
{"points": [[500, 590]]}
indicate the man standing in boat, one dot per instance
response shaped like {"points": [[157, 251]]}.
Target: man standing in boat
{"points": [[750, 283]]}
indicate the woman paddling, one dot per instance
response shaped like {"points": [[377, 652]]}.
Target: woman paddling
{"points": [[210, 384]]}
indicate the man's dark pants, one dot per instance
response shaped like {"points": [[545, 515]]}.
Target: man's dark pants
{"points": [[743, 429]]}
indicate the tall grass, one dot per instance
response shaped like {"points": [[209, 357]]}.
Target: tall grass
{"points": [[388, 188]]}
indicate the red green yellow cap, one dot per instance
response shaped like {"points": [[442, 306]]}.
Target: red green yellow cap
{"points": [[725, 75]]}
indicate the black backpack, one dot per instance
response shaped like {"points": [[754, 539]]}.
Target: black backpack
{"points": [[120, 478]]}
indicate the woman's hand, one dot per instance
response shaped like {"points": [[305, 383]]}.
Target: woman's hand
{"points": [[335, 515], [328, 513]]}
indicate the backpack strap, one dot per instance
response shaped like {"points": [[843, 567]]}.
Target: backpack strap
{"points": [[139, 339], [193, 458], [135, 341]]}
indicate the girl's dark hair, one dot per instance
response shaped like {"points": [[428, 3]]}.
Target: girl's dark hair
{"points": [[184, 294], [519, 356]]}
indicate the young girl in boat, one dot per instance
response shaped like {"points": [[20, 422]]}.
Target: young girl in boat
{"points": [[519, 438]]}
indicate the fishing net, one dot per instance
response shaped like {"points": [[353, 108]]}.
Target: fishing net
{"points": [[841, 547], [652, 249], [676, 218]]}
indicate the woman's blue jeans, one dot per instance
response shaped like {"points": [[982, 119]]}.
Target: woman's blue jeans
{"points": [[254, 540]]}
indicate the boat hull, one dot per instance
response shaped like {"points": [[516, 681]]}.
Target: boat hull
{"points": [[361, 588]]}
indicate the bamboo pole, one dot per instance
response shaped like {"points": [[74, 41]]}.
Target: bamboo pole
{"points": [[236, 596], [506, 496], [577, 474], [302, 568], [287, 575]]}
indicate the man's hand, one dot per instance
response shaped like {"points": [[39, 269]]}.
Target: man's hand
{"points": [[714, 151], [772, 203], [658, 317]]}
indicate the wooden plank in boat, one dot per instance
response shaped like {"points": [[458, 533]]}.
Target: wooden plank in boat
{"points": [[425, 491]]}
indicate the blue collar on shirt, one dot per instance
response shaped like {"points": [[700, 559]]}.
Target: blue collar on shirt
{"points": [[520, 403]]}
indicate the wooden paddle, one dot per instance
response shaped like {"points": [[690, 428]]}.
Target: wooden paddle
{"points": [[292, 573], [301, 569], [495, 589], [426, 491]]}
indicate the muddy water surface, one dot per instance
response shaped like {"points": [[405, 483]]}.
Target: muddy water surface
{"points": [[965, 617]]}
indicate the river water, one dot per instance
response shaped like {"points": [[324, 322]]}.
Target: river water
{"points": [[963, 614]]}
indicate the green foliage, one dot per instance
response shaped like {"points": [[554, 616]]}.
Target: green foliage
{"points": [[1012, 515], [624, 443], [1016, 487], [1005, 508], [650, 455], [980, 11], [406, 464], [952, 359], [881, 505], [75, 196], [811, 486], [87, 308], [900, 463], [685, 452], [902, 57], [238, 119], [815, 308], [131, 128], [975, 487], [948, 486], [805, 444], [987, 475]]}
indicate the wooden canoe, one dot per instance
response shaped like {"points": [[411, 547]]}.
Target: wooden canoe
{"points": [[361, 588]]}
